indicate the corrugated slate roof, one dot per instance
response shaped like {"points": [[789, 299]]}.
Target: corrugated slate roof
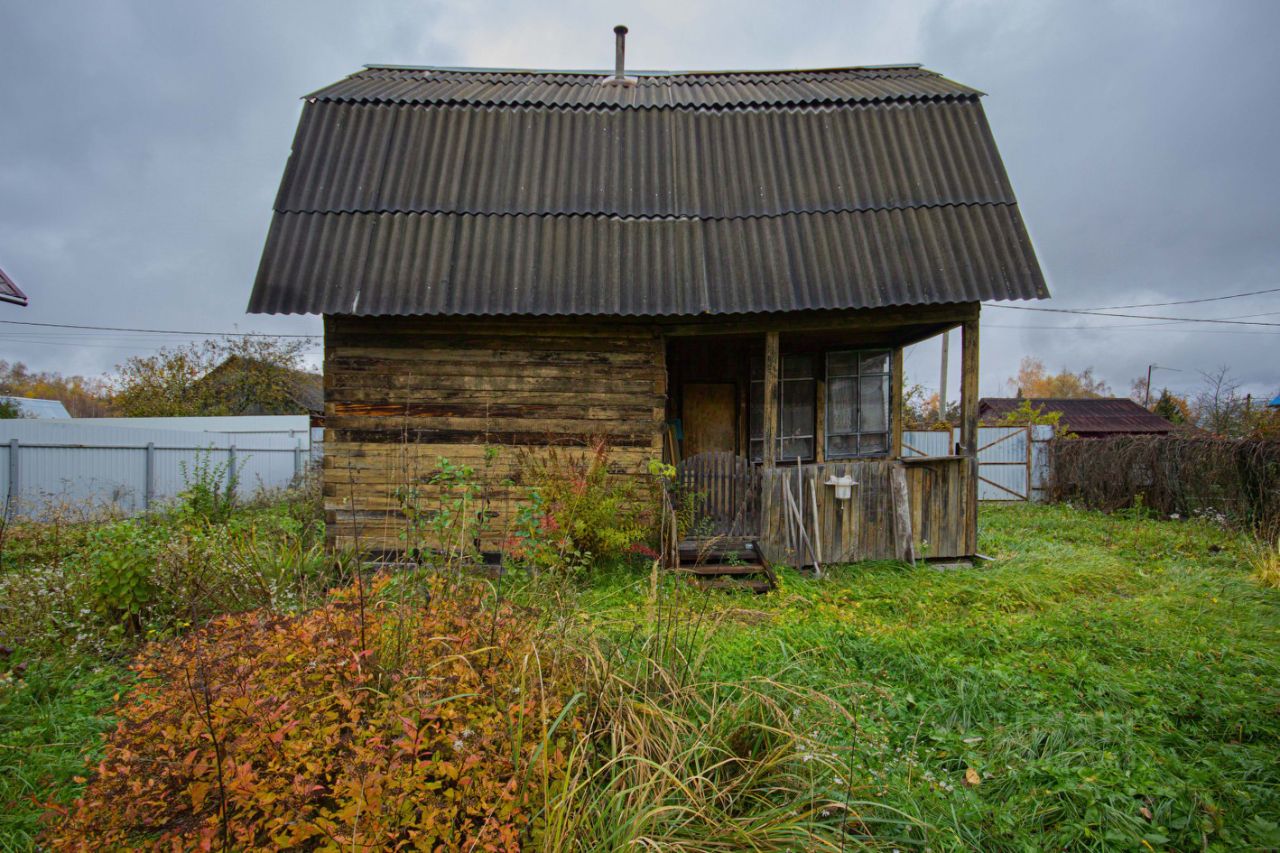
{"points": [[426, 191], [479, 87], [350, 157], [1089, 416], [10, 292]]}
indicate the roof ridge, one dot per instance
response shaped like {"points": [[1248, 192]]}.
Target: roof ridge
{"points": [[829, 210], [604, 72], [774, 106]]}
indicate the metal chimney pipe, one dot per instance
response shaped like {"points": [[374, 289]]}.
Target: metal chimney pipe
{"points": [[619, 65]]}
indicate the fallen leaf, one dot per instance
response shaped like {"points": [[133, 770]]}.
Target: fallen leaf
{"points": [[972, 778], [1146, 812]]}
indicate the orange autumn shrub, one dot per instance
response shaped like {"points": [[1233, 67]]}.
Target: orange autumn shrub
{"points": [[430, 725]]}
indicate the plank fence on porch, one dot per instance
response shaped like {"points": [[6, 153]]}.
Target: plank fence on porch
{"points": [[866, 526]]}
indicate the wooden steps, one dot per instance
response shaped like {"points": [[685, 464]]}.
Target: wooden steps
{"points": [[736, 584], [727, 564]]}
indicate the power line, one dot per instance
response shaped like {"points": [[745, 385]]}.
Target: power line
{"points": [[123, 347], [1127, 329], [1157, 327], [157, 331], [1183, 301], [1089, 313]]}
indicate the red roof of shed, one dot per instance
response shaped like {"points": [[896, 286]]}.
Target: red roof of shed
{"points": [[1089, 416]]}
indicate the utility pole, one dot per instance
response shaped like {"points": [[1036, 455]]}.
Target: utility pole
{"points": [[1150, 367], [942, 380]]}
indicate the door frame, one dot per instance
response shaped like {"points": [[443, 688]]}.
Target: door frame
{"points": [[732, 411]]}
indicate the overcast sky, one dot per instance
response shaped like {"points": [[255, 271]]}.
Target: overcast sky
{"points": [[141, 145]]}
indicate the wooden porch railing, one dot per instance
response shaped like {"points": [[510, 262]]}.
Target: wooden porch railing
{"points": [[725, 489]]}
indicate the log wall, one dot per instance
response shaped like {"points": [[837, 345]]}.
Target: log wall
{"points": [[401, 393]]}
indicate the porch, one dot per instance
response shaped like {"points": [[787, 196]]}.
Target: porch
{"points": [[763, 422]]}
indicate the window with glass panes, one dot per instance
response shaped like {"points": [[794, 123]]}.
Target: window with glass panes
{"points": [[857, 403], [796, 394]]}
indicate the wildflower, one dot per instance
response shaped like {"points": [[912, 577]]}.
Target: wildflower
{"points": [[458, 745]]}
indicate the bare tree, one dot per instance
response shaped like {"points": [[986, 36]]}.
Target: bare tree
{"points": [[1219, 406]]}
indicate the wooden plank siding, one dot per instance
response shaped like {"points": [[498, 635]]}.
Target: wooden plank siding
{"points": [[862, 528], [401, 393]]}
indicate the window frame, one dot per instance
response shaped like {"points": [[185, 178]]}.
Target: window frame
{"points": [[857, 433], [755, 393]]}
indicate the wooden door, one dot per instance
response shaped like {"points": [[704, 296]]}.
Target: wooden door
{"points": [[710, 423]]}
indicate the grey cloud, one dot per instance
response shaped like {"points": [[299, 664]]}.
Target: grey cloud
{"points": [[142, 142]]}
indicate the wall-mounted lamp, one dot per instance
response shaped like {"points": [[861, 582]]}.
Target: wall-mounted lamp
{"points": [[844, 486]]}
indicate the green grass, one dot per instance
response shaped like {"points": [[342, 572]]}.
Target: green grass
{"points": [[50, 720], [1113, 682]]}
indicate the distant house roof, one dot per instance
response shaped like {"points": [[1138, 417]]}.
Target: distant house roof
{"points": [[1085, 417], [298, 393], [1275, 401], [10, 292], [452, 191], [31, 407]]}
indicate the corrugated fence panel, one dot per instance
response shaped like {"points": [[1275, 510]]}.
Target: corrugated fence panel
{"points": [[1011, 467], [96, 467], [1041, 435], [927, 443], [263, 470], [78, 477]]}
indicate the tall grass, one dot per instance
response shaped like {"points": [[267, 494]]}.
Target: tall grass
{"points": [[672, 759], [1265, 560], [1107, 683]]}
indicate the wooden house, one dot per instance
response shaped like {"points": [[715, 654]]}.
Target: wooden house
{"points": [[721, 268]]}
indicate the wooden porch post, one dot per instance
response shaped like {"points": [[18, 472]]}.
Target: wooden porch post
{"points": [[895, 409], [770, 453], [969, 427]]}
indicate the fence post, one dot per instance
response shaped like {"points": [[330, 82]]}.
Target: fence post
{"points": [[297, 459], [15, 483], [231, 470], [149, 484]]}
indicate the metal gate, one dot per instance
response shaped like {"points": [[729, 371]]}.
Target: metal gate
{"points": [[1012, 461], [1004, 464]]}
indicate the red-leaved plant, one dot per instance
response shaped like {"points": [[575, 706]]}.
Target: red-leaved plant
{"points": [[441, 729]]}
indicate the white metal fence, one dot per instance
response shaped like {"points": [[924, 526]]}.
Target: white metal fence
{"points": [[1013, 462], [129, 469], [129, 465]]}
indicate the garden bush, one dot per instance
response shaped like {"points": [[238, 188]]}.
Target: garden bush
{"points": [[1231, 481], [97, 587], [378, 722], [580, 513]]}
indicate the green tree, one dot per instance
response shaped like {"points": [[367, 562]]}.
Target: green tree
{"points": [[1172, 409], [228, 376]]}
